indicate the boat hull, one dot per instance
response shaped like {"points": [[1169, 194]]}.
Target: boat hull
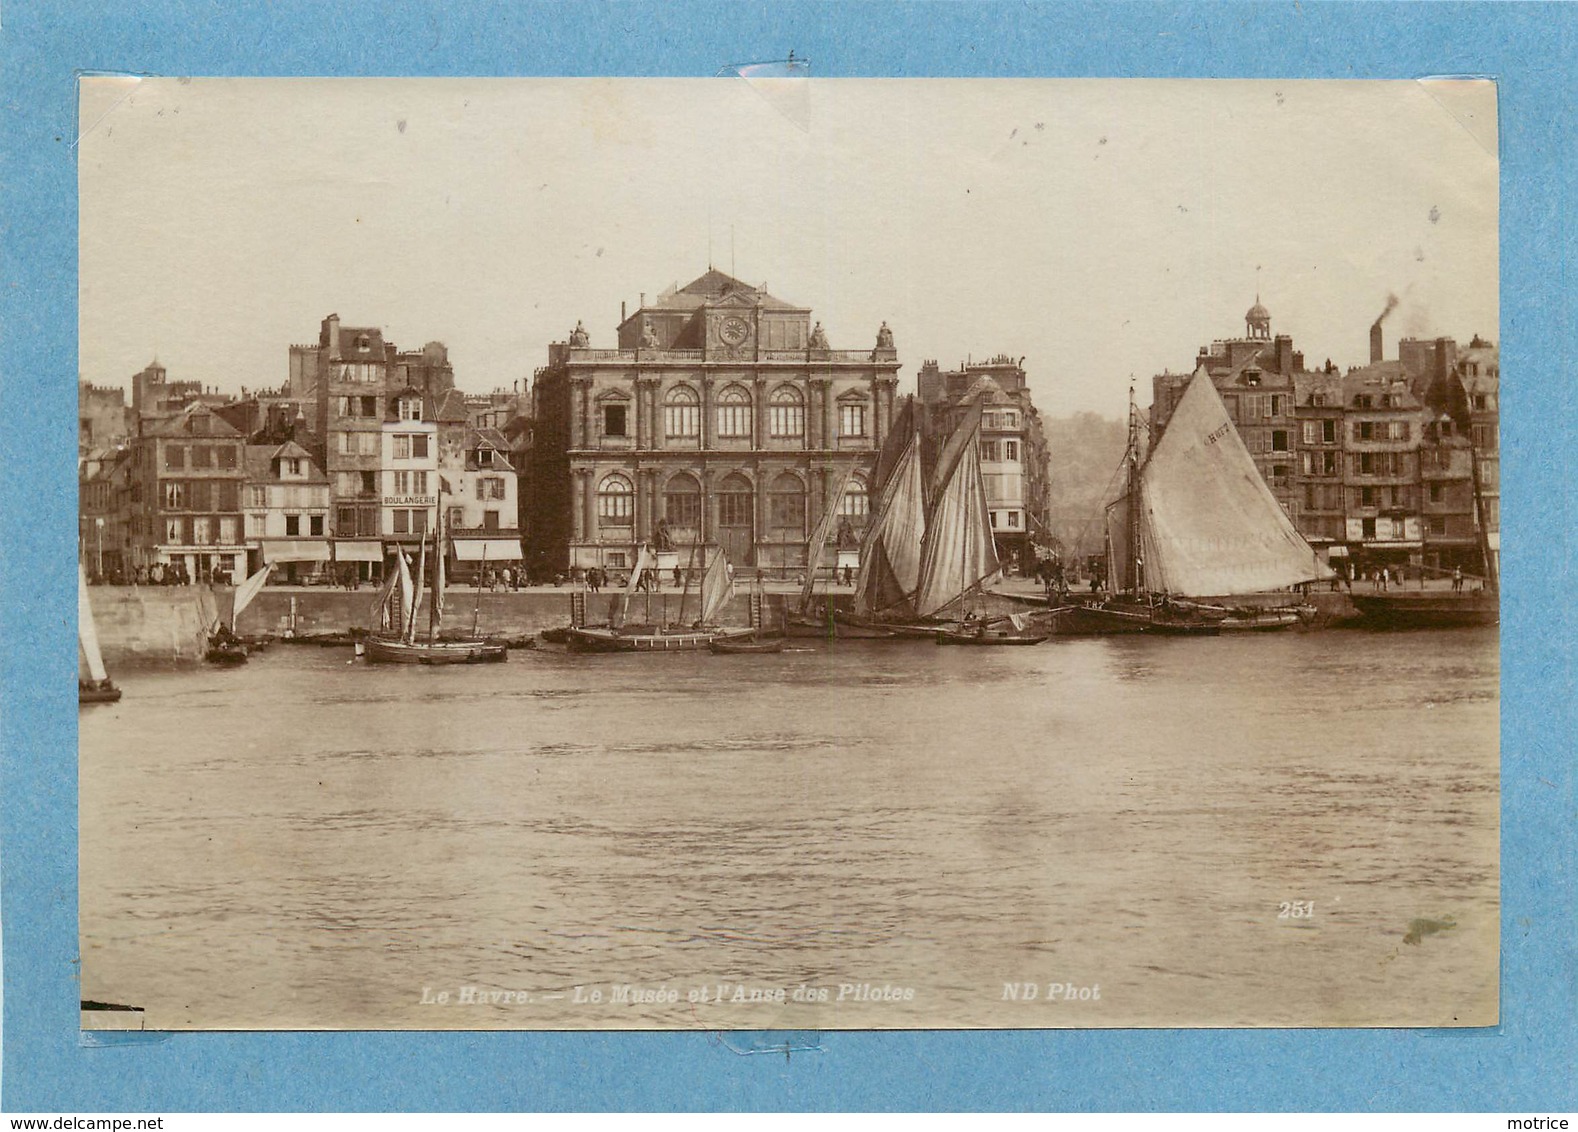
{"points": [[1267, 620], [602, 640], [1092, 621], [226, 655], [746, 647], [384, 651], [1428, 610], [989, 637]]}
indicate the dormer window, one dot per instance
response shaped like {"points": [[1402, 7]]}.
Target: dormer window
{"points": [[485, 457], [1252, 378], [410, 409], [363, 343]]}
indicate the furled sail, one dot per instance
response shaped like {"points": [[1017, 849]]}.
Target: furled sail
{"points": [[717, 588], [407, 586], [890, 552], [88, 655], [958, 555], [1120, 553], [1210, 525], [421, 581], [814, 548], [435, 612]]}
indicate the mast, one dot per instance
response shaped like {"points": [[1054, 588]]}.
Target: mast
{"points": [[690, 568], [416, 594], [813, 549], [1136, 561], [1480, 530], [476, 610]]}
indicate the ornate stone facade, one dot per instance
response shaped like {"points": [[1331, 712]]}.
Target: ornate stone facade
{"points": [[720, 419]]}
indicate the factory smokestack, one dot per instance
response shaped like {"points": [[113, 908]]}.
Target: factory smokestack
{"points": [[1377, 346]]}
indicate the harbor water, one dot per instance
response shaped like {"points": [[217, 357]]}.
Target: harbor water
{"points": [[1284, 829]]}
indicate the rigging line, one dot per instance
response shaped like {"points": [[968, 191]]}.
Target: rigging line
{"points": [[1105, 493]]}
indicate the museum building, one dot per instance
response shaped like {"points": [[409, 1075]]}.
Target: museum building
{"points": [[722, 417]]}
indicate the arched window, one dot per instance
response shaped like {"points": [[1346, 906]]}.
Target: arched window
{"points": [[616, 501], [786, 505], [682, 414], [735, 502], [787, 409], [734, 412], [856, 504], [682, 501]]}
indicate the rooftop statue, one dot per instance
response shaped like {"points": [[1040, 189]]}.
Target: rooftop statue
{"points": [[818, 338], [579, 338], [884, 337]]}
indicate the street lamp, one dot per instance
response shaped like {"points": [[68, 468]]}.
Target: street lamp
{"points": [[98, 524]]}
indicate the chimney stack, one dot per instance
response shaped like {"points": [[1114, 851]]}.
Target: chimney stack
{"points": [[1377, 351]]}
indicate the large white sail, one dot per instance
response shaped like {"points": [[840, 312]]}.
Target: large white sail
{"points": [[717, 589], [1210, 525], [958, 555], [246, 591], [890, 552], [88, 653]]}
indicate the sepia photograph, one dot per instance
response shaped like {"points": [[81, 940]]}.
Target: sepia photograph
{"points": [[787, 553]]}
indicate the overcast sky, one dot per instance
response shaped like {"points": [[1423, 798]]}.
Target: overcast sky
{"points": [[1099, 228]]}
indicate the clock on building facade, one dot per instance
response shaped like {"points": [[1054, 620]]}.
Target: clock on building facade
{"points": [[734, 330]]}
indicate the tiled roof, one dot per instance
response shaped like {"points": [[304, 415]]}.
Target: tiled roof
{"points": [[194, 420]]}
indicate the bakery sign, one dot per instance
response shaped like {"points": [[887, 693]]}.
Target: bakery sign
{"points": [[410, 500]]}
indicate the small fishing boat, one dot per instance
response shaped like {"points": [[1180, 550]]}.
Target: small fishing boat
{"points": [[94, 685], [1268, 620], [737, 646], [398, 606], [225, 648], [990, 635], [224, 645], [717, 590]]}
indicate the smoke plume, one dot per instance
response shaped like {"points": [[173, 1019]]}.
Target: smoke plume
{"points": [[1391, 305]]}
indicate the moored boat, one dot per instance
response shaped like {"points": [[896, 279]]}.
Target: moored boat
{"points": [[732, 646], [1428, 610], [398, 604], [1196, 518], [717, 590], [384, 650], [225, 646], [990, 635]]}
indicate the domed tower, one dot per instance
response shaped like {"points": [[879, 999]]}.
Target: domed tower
{"points": [[1257, 321]]}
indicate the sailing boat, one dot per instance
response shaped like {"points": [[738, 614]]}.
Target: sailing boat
{"points": [[717, 591], [224, 645], [806, 621], [403, 647], [94, 685], [1196, 519], [957, 557], [890, 552]]}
